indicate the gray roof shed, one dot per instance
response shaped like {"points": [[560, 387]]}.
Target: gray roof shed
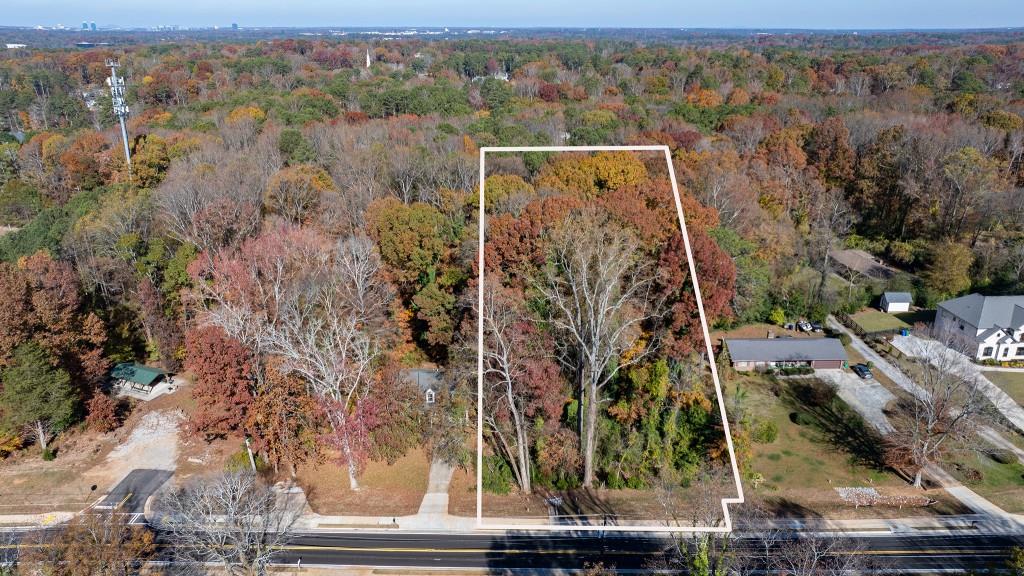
{"points": [[899, 297]]}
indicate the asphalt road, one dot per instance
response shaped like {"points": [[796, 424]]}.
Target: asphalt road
{"points": [[499, 553], [130, 494], [533, 553]]}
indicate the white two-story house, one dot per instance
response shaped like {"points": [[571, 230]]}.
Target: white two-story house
{"points": [[986, 327]]}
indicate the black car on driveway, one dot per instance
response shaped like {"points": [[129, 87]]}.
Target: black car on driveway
{"points": [[863, 371]]}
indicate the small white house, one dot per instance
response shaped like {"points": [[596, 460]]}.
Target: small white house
{"points": [[896, 302]]}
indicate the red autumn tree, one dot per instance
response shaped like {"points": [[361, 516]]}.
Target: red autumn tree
{"points": [[222, 376], [102, 413], [716, 275], [516, 245], [83, 160], [14, 314]]}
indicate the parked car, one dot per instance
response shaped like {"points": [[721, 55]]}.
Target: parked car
{"points": [[863, 371], [804, 326], [789, 326], [817, 327]]}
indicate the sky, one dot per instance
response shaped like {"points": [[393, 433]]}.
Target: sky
{"points": [[819, 14]]}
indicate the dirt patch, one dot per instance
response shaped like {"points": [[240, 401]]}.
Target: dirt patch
{"points": [[29, 484], [197, 457], [385, 490], [462, 493], [151, 445], [617, 507], [88, 464]]}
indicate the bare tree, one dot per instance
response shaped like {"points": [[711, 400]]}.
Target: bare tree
{"points": [[39, 430], [807, 554], [831, 218], [358, 263], [322, 341], [504, 357], [945, 410], [699, 504], [212, 198], [327, 331], [232, 520], [600, 294]]}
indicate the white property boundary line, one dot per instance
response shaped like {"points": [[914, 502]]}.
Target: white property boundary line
{"points": [[739, 499]]}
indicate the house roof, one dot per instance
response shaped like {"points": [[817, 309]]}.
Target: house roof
{"points": [[785, 349], [899, 297], [137, 373], [424, 379], [984, 312]]}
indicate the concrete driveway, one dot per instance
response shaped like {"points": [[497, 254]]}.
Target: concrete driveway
{"points": [[880, 364], [867, 397]]}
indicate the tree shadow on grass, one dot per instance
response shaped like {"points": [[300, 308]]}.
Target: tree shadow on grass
{"points": [[580, 506], [778, 507], [817, 407]]}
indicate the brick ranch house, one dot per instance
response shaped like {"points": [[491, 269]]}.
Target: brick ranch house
{"points": [[762, 354]]}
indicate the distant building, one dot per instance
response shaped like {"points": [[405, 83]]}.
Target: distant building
{"points": [[92, 26], [427, 381], [983, 327], [896, 302], [15, 46], [85, 25], [762, 354], [234, 26]]}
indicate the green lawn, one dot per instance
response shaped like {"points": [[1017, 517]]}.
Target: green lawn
{"points": [[1011, 382], [871, 320], [999, 479], [821, 445], [926, 316]]}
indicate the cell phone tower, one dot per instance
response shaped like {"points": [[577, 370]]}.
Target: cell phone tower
{"points": [[120, 107]]}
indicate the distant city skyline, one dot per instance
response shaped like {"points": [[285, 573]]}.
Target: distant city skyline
{"points": [[804, 14]]}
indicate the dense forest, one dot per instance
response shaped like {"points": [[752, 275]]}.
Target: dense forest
{"points": [[297, 227]]}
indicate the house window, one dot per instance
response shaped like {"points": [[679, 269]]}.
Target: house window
{"points": [[1020, 350], [1006, 352], [430, 397], [987, 351]]}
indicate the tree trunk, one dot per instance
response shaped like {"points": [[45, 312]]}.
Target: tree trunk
{"points": [[522, 455], [353, 470], [591, 430], [917, 478], [524, 461], [41, 434]]}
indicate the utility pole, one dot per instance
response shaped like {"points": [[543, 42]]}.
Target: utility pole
{"points": [[120, 107]]}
